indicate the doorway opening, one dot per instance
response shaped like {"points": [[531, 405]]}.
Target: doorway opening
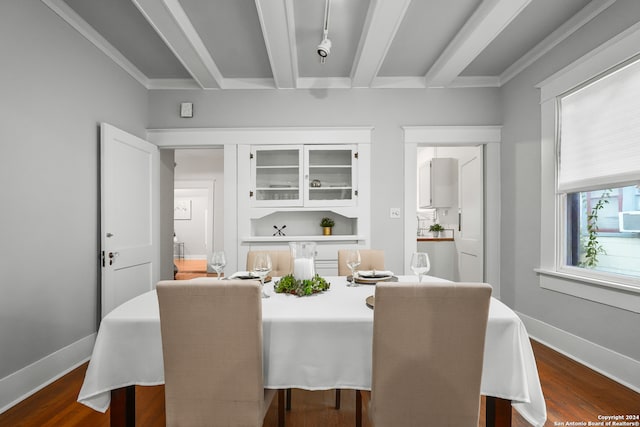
{"points": [[450, 196], [485, 138], [198, 209]]}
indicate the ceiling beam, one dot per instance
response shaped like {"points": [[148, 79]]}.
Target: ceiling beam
{"points": [[585, 15], [382, 23], [277, 21], [172, 24], [491, 17]]}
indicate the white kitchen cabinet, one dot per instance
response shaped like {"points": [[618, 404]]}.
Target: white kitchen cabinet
{"points": [[443, 258], [285, 187], [276, 175], [329, 175], [303, 175], [438, 183]]}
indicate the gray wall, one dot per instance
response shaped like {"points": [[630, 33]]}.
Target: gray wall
{"points": [[56, 88], [607, 326], [386, 110]]}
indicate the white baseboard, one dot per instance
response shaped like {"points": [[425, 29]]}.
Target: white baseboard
{"points": [[21, 384], [616, 366]]}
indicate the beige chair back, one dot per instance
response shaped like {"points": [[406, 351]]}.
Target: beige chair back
{"points": [[428, 347], [280, 260], [212, 349], [370, 259]]}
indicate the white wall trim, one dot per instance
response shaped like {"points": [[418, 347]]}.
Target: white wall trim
{"points": [[609, 54], [207, 137], [452, 135], [21, 384], [609, 363], [490, 137], [600, 291]]}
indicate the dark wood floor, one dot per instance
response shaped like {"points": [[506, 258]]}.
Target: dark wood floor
{"points": [[573, 393]]}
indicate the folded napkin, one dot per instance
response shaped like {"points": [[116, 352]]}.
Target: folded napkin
{"points": [[243, 275], [374, 274], [247, 275]]}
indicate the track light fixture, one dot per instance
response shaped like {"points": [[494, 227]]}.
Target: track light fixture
{"points": [[324, 48]]}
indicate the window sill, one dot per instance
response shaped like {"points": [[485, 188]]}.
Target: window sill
{"points": [[626, 297]]}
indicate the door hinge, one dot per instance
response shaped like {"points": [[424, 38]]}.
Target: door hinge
{"points": [[250, 193], [251, 155], [355, 154], [355, 192]]}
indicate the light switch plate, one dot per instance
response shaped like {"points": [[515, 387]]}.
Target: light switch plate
{"points": [[394, 213], [186, 109]]}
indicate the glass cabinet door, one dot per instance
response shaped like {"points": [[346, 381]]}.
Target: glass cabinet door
{"points": [[329, 180], [277, 175]]}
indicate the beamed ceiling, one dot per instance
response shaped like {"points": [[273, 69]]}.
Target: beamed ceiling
{"points": [[271, 44]]}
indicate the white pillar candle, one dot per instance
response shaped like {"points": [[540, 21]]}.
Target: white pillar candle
{"points": [[303, 268]]}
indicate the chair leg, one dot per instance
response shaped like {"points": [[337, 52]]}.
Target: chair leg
{"points": [[337, 398], [280, 408], [358, 409], [288, 399]]}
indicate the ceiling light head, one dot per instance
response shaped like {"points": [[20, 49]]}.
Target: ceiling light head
{"points": [[324, 48]]}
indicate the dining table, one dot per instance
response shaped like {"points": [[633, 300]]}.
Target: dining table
{"points": [[317, 342]]}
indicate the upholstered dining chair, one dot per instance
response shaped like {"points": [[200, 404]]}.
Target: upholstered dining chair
{"points": [[370, 259], [280, 260], [428, 347], [213, 372]]}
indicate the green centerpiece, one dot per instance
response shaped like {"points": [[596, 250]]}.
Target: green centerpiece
{"points": [[290, 285]]}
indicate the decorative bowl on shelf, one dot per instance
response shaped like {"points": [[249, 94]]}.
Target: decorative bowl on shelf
{"points": [[316, 183]]}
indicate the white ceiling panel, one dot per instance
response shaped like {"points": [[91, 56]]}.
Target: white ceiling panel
{"points": [[120, 22], [427, 29]]}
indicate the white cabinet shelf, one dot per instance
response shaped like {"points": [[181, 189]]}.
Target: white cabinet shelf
{"points": [[314, 238]]}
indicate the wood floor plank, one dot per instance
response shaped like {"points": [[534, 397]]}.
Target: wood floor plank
{"points": [[572, 392]]}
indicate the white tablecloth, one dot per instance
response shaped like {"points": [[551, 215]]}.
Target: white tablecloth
{"points": [[314, 343]]}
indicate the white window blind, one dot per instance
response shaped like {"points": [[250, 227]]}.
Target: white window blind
{"points": [[600, 133]]}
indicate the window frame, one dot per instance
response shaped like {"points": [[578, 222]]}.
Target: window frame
{"points": [[554, 274]]}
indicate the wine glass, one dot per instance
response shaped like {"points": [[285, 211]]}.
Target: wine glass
{"points": [[218, 261], [261, 267], [352, 259], [420, 264]]}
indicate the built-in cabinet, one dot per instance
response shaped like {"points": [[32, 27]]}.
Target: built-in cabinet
{"points": [[438, 182], [276, 176], [304, 176], [284, 190]]}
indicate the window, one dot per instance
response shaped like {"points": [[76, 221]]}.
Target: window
{"points": [[590, 152], [599, 155], [601, 231]]}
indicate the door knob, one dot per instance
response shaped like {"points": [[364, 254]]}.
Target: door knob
{"points": [[112, 256]]}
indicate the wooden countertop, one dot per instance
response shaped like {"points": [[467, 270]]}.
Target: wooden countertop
{"points": [[435, 239]]}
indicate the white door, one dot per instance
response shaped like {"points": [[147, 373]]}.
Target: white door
{"points": [[469, 240], [129, 216]]}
